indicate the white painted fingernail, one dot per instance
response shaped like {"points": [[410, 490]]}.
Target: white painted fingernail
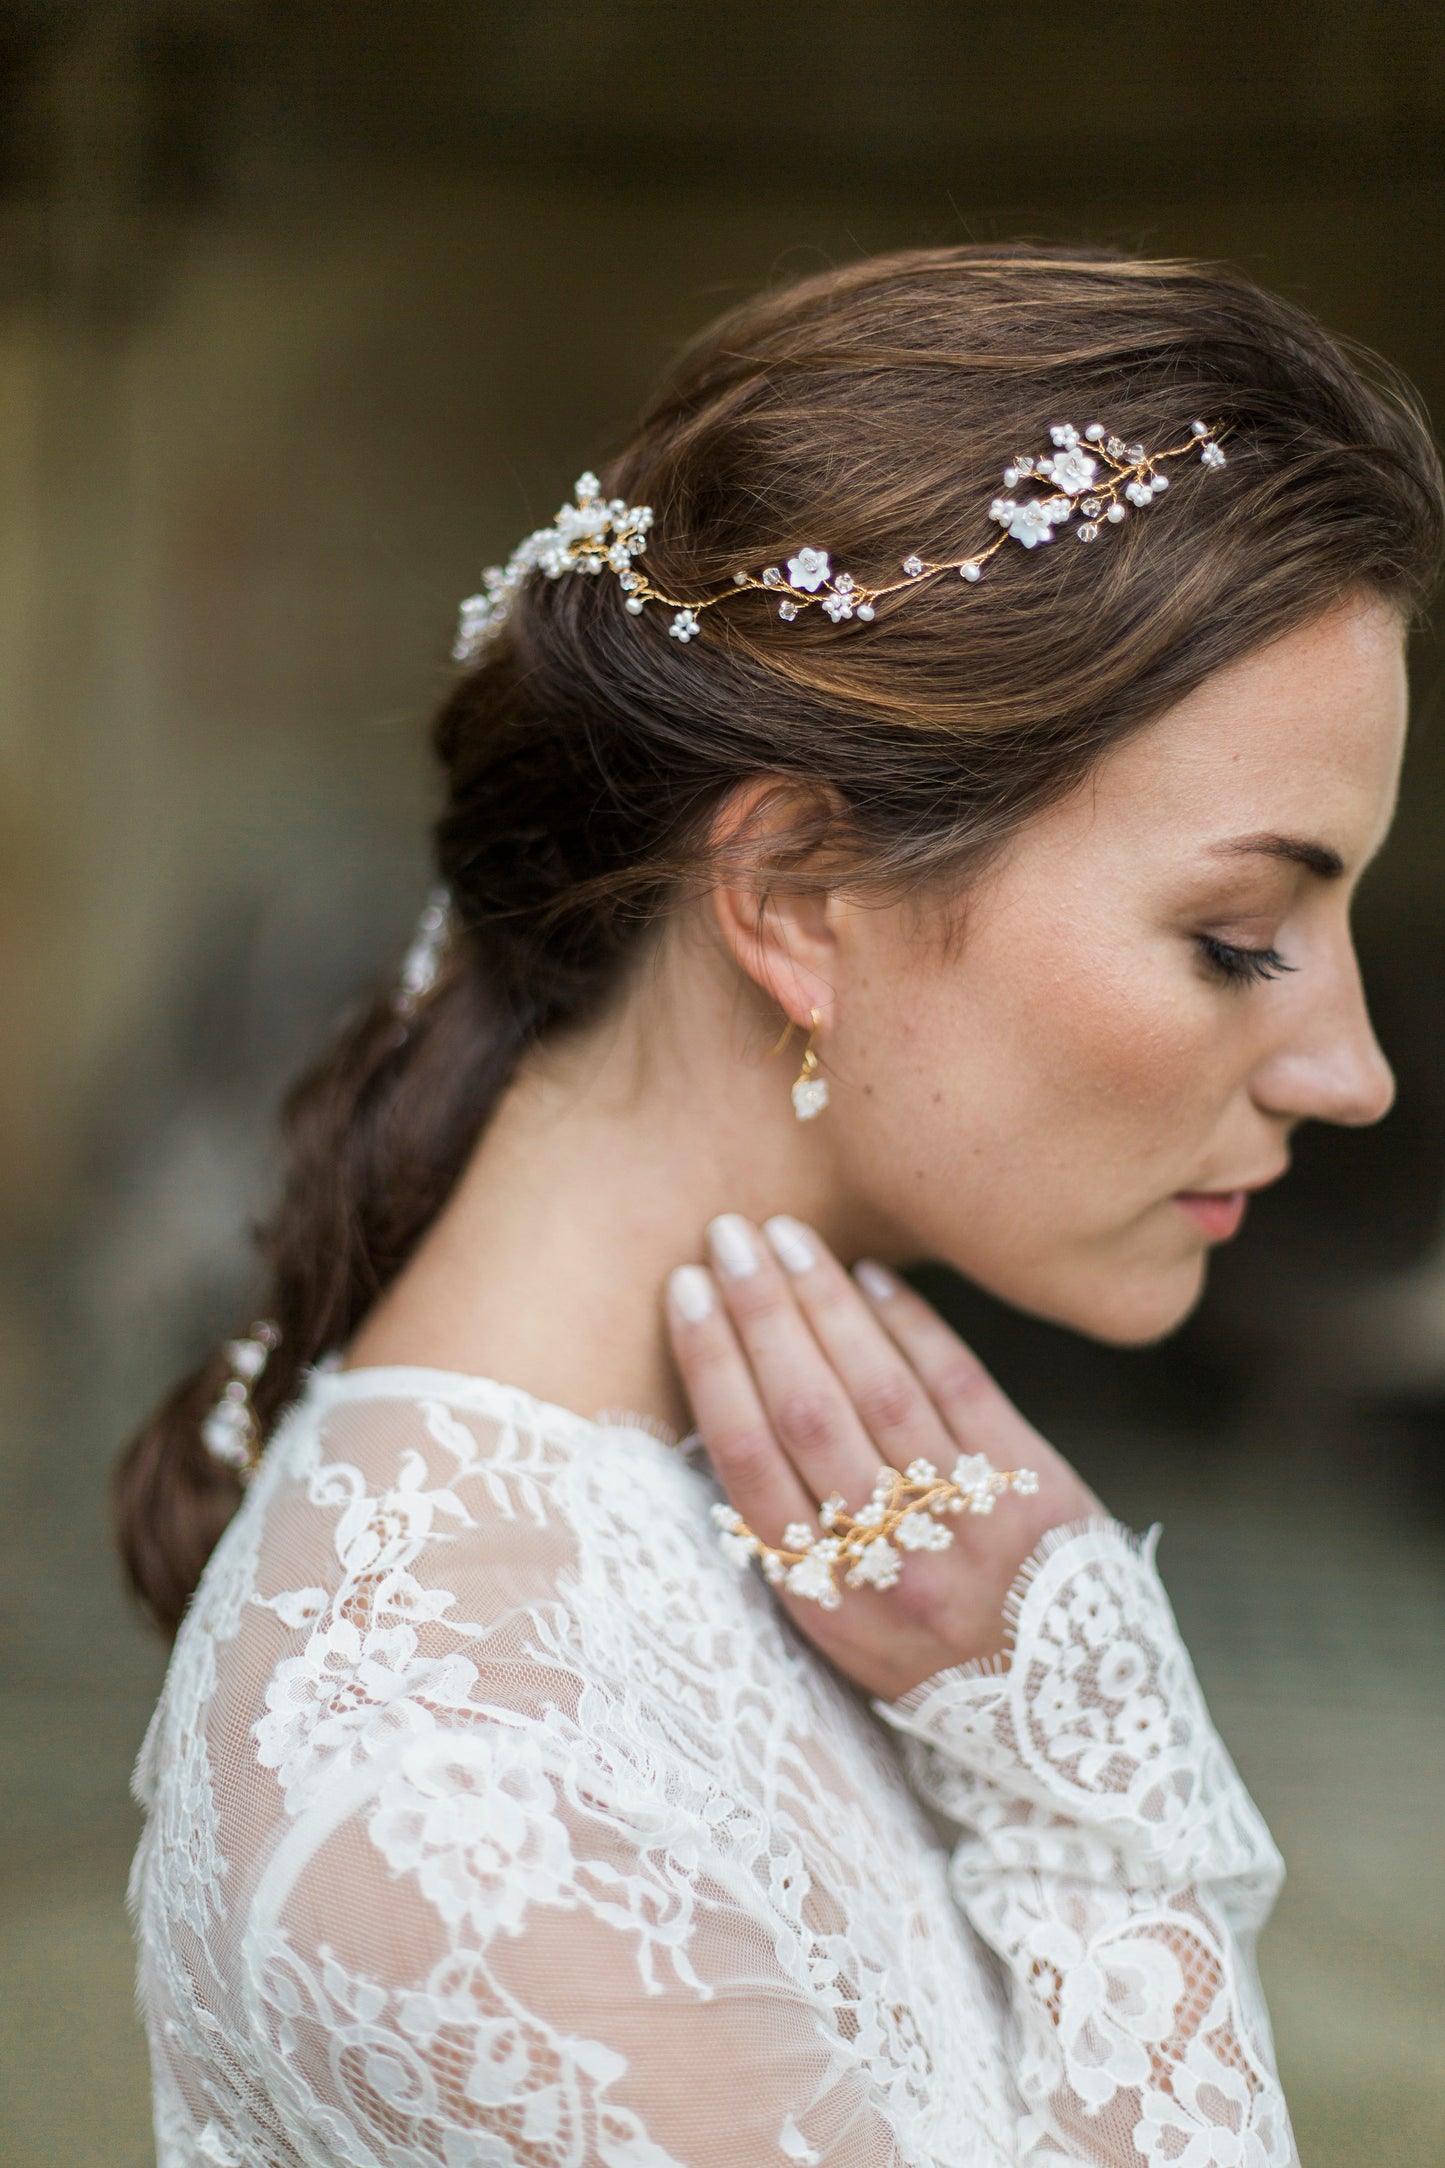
{"points": [[730, 1240], [874, 1280], [790, 1243], [691, 1291]]}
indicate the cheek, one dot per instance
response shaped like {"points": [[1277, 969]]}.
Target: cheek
{"points": [[1046, 1080]]}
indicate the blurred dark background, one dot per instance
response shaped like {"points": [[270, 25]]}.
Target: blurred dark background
{"points": [[307, 312]]}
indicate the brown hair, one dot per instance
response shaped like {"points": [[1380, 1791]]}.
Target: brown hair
{"points": [[871, 411]]}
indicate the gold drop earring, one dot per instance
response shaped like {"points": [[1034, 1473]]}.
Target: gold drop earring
{"points": [[810, 1086]]}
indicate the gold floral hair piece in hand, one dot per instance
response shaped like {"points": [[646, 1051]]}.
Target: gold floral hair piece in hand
{"points": [[905, 1513], [1090, 477]]}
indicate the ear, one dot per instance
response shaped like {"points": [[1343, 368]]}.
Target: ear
{"points": [[776, 917]]}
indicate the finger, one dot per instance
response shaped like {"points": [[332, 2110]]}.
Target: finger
{"points": [[978, 1413], [748, 1460], [894, 1408], [807, 1407]]}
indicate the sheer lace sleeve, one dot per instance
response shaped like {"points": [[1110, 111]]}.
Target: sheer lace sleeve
{"points": [[532, 1967], [1110, 1855]]}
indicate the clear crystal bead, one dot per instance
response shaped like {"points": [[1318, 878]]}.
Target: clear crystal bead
{"points": [[1088, 532], [788, 609], [913, 565]]}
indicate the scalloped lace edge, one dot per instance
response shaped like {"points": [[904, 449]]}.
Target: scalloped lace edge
{"points": [[1143, 1547]]}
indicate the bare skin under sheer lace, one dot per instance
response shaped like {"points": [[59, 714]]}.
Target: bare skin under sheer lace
{"points": [[493, 1818]]}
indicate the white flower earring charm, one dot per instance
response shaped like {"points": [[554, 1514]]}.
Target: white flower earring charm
{"points": [[810, 1086]]}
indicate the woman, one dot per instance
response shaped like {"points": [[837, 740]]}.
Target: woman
{"points": [[495, 1816]]}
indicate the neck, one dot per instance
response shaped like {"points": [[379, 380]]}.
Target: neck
{"points": [[597, 1174]]}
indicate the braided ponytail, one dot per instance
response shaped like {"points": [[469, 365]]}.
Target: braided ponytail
{"points": [[377, 1133]]}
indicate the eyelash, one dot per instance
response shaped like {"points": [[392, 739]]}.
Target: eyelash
{"points": [[1242, 966]]}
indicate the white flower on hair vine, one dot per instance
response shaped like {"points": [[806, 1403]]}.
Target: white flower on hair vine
{"points": [[1089, 479]]}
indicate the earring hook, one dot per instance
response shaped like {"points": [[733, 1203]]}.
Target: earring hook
{"points": [[789, 1027]]}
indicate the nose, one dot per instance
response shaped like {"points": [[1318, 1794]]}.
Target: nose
{"points": [[1331, 1068]]}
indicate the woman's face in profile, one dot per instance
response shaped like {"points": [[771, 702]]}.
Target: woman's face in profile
{"points": [[1149, 992]]}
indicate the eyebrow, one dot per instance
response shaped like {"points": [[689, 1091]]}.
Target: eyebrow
{"points": [[1316, 858]]}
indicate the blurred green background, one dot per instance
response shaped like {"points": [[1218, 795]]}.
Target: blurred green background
{"points": [[306, 312]]}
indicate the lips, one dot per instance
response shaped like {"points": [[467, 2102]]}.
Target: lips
{"points": [[1219, 1212]]}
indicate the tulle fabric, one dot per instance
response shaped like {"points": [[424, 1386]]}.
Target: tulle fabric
{"points": [[494, 1818]]}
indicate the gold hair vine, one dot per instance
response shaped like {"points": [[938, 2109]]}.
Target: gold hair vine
{"points": [[230, 1431], [1090, 476]]}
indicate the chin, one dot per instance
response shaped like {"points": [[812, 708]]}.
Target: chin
{"points": [[1131, 1306], [1138, 1309]]}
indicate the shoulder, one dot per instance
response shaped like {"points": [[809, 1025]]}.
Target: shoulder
{"points": [[436, 1551]]}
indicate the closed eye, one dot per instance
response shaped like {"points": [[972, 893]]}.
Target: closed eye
{"points": [[1241, 966]]}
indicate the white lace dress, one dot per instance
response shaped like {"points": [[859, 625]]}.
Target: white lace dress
{"points": [[494, 1818]]}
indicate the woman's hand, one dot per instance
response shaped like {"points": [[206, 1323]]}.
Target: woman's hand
{"points": [[805, 1381]]}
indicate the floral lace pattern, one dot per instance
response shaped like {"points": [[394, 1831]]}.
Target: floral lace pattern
{"points": [[492, 1819], [1113, 1859]]}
